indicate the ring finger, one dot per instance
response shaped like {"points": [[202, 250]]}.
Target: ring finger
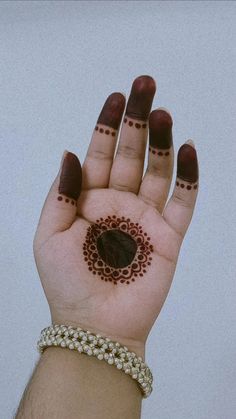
{"points": [[156, 182]]}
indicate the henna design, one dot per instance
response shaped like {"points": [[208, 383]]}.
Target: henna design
{"points": [[188, 187], [141, 98], [71, 177], [105, 131], [159, 153], [187, 164], [112, 111], [117, 250], [60, 198], [160, 130], [134, 124]]}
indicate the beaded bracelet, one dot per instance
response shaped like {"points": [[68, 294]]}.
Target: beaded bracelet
{"points": [[101, 347]]}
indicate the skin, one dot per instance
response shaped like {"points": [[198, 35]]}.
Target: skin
{"points": [[110, 185]]}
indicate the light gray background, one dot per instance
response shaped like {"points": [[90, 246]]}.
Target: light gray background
{"points": [[58, 63]]}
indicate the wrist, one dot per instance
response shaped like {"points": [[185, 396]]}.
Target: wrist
{"points": [[136, 346]]}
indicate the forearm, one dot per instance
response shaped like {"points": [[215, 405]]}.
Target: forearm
{"points": [[69, 385]]}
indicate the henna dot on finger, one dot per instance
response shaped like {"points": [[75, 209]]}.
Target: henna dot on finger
{"points": [[161, 153], [66, 200], [188, 186], [117, 250]]}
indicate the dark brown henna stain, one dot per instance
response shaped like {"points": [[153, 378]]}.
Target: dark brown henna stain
{"points": [[158, 153], [187, 164], [60, 198], [188, 187], [160, 129], [112, 111], [135, 124], [107, 131], [117, 249], [141, 98], [71, 177]]}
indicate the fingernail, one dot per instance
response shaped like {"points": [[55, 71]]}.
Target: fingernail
{"points": [[190, 142], [63, 156], [141, 98], [112, 111], [160, 129], [187, 164], [71, 176]]}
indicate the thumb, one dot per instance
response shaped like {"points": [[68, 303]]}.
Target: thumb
{"points": [[60, 207]]}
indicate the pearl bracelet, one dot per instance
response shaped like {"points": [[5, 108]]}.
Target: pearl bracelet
{"points": [[101, 347]]}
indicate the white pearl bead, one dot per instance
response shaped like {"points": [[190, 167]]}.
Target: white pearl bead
{"points": [[100, 356], [119, 366], [91, 338], [110, 361], [122, 355]]}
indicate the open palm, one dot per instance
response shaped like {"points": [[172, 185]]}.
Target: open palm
{"points": [[107, 243]]}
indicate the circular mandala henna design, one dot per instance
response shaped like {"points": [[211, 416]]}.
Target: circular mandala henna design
{"points": [[117, 250]]}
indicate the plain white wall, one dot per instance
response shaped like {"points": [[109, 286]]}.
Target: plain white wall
{"points": [[58, 63]]}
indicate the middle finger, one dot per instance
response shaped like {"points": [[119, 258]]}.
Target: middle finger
{"points": [[127, 169]]}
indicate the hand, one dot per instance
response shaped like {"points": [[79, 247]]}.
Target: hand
{"points": [[107, 242]]}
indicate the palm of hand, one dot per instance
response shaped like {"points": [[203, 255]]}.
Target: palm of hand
{"points": [[79, 297]]}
